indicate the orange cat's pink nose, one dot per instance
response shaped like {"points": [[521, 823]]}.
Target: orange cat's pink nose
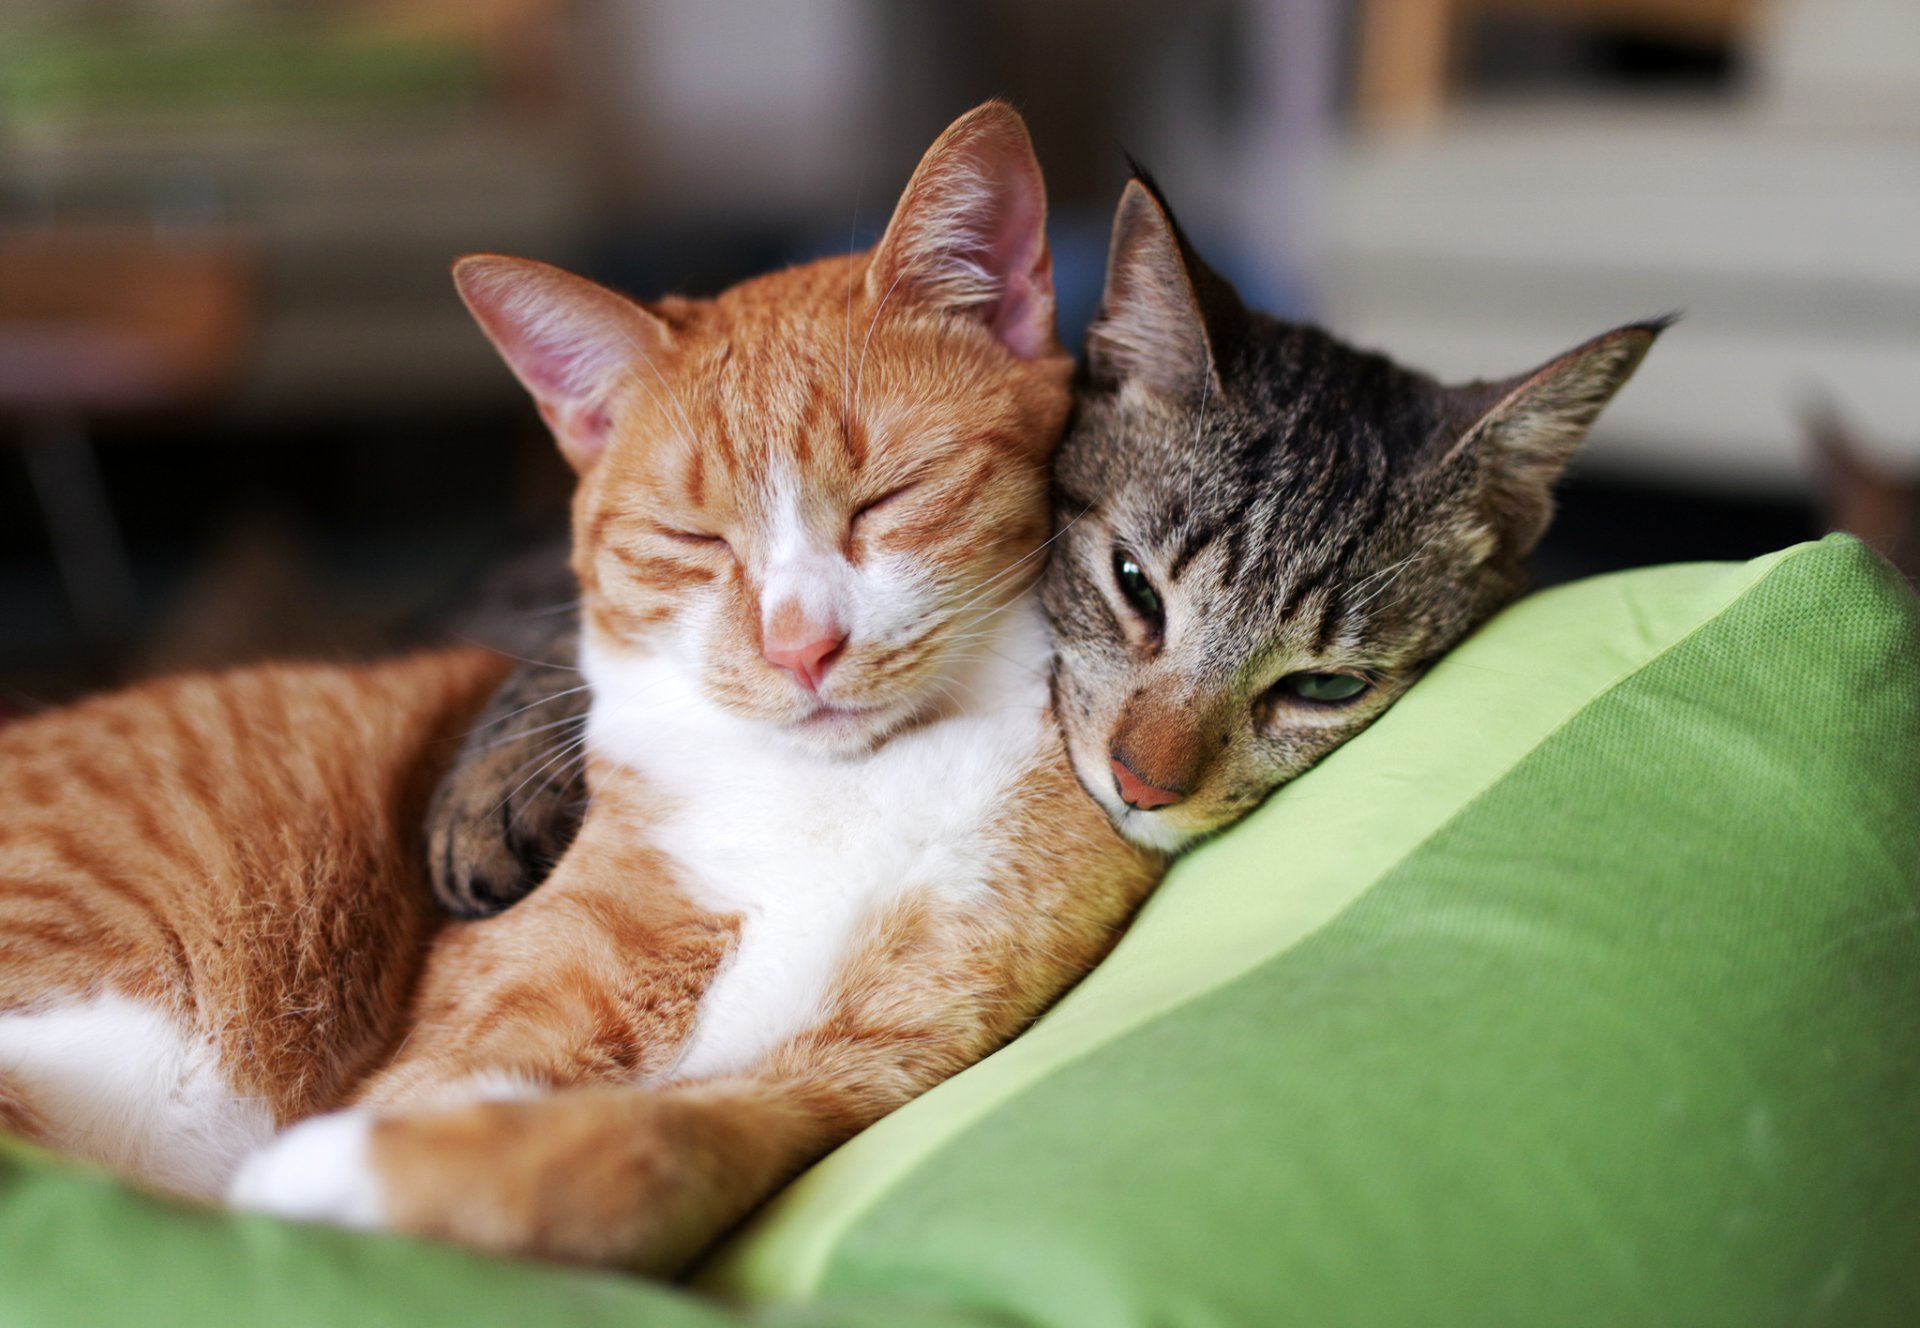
{"points": [[809, 660], [1137, 793]]}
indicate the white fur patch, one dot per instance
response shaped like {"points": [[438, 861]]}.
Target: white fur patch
{"points": [[802, 575], [1148, 829], [318, 1171], [883, 599], [121, 1083], [804, 847]]}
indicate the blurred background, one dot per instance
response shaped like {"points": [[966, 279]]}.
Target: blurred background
{"points": [[243, 413]]}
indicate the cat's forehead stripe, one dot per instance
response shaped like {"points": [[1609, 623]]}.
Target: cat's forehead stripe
{"points": [[813, 409], [1296, 597], [1197, 538], [853, 436]]}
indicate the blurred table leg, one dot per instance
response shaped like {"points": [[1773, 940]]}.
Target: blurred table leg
{"points": [[87, 547]]}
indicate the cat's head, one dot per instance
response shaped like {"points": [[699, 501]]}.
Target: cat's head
{"points": [[1267, 536], [808, 492]]}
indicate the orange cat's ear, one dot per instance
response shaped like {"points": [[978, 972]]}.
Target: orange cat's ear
{"points": [[567, 340], [970, 233]]}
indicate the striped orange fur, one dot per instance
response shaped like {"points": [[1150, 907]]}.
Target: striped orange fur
{"points": [[836, 851]]}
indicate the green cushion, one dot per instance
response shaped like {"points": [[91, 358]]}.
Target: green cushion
{"points": [[1583, 988]]}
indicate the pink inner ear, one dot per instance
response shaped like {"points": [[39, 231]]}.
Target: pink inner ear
{"points": [[1022, 318], [970, 238], [552, 366], [567, 340], [581, 430], [562, 375]]}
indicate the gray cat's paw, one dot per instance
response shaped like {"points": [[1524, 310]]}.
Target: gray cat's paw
{"points": [[481, 859], [510, 805]]}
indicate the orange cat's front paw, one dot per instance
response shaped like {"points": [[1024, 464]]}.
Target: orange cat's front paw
{"points": [[317, 1171], [604, 1176], [474, 1175], [540, 1178]]}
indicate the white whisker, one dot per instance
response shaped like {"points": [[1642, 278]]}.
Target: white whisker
{"points": [[521, 710], [688, 434], [508, 654], [846, 327], [565, 749], [860, 377], [981, 591], [1398, 570], [538, 728]]}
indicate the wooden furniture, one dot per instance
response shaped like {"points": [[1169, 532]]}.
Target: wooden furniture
{"points": [[1780, 218], [1408, 47]]}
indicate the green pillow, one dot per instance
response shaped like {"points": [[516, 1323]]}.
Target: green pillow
{"points": [[1584, 988]]}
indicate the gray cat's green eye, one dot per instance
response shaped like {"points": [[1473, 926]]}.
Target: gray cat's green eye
{"points": [[1138, 590], [1323, 688]]}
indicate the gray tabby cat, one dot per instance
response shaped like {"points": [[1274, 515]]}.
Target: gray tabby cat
{"points": [[1264, 537]]}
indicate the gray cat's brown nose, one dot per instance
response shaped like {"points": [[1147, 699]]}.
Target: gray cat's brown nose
{"points": [[1159, 747], [1136, 792]]}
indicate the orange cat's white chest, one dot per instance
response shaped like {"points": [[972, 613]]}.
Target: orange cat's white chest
{"points": [[804, 848]]}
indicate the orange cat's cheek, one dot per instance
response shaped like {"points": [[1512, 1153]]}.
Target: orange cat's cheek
{"points": [[627, 622]]}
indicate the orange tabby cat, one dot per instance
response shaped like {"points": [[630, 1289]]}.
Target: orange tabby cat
{"points": [[835, 853]]}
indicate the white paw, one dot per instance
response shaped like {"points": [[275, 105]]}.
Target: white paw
{"points": [[315, 1172]]}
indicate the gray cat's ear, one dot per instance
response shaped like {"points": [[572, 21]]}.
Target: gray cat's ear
{"points": [[969, 235], [1519, 434], [566, 339], [1150, 328]]}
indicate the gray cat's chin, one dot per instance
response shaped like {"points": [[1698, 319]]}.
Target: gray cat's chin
{"points": [[1150, 830]]}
